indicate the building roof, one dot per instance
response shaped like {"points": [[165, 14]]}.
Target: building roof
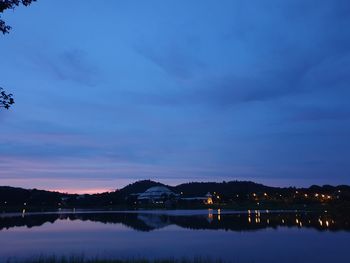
{"points": [[156, 192]]}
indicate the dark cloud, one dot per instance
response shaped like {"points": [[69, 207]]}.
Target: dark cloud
{"points": [[72, 65], [176, 59], [294, 48]]}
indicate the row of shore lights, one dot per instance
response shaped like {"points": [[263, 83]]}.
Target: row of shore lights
{"points": [[318, 195], [306, 195]]}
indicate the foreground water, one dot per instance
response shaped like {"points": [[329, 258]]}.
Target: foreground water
{"points": [[252, 236]]}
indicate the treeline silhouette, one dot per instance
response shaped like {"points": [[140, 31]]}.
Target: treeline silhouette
{"points": [[233, 192]]}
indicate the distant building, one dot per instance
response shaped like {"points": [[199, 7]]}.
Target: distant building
{"points": [[156, 194], [162, 194], [207, 199]]}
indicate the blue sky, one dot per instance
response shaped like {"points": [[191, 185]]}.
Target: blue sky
{"points": [[176, 91]]}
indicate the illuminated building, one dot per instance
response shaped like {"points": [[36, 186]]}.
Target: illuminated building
{"points": [[156, 194]]}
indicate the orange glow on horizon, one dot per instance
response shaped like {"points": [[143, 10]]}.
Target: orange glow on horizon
{"points": [[82, 191]]}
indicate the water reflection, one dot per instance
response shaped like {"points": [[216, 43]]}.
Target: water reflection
{"points": [[212, 219]]}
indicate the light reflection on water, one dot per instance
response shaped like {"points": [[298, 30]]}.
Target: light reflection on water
{"points": [[258, 236]]}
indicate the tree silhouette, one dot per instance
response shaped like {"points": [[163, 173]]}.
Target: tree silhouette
{"points": [[10, 4], [6, 100]]}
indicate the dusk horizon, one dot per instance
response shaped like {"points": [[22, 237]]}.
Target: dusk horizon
{"points": [[85, 189]]}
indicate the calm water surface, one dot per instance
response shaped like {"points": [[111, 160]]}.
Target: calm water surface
{"points": [[234, 237]]}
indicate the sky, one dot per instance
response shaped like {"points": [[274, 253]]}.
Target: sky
{"points": [[110, 92]]}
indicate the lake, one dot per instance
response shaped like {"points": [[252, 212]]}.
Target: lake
{"points": [[249, 236]]}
